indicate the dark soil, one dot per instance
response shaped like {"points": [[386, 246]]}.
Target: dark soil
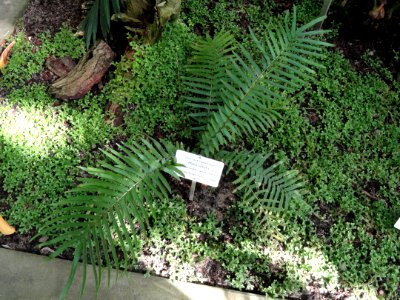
{"points": [[324, 220], [359, 33], [212, 272], [49, 15], [20, 242], [207, 200], [4, 206]]}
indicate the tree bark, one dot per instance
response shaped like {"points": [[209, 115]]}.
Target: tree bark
{"points": [[88, 72]]}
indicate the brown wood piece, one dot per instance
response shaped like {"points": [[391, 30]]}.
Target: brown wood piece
{"points": [[60, 66], [88, 72]]}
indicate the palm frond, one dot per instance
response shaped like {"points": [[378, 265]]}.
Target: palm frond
{"points": [[208, 65], [100, 12], [110, 206], [263, 188], [252, 90]]}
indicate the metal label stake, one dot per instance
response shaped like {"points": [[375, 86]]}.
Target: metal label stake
{"points": [[192, 189]]}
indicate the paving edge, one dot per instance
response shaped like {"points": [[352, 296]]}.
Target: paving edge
{"points": [[11, 12], [30, 276]]}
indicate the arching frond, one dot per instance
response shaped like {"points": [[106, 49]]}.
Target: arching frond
{"points": [[206, 71], [253, 90], [264, 188], [112, 205]]}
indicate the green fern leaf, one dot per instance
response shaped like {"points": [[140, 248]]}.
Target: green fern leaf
{"points": [[104, 17], [263, 189], [207, 68], [109, 207], [246, 97]]}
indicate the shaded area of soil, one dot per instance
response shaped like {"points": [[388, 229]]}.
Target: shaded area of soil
{"points": [[49, 15], [359, 33], [20, 242], [324, 220], [4, 206], [211, 272]]}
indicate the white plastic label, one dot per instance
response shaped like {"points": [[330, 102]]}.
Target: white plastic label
{"points": [[397, 225], [199, 168]]}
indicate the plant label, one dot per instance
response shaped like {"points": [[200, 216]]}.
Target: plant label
{"points": [[397, 225], [199, 168]]}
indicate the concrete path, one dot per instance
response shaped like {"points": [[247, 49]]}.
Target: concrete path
{"points": [[26, 276], [10, 11]]}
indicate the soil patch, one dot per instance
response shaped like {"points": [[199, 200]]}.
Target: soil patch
{"points": [[212, 201], [323, 221], [49, 15], [211, 272], [359, 33], [20, 242]]}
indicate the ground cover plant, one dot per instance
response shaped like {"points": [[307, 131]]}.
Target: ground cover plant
{"points": [[341, 132]]}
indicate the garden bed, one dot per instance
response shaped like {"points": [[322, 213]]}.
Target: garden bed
{"points": [[341, 132]]}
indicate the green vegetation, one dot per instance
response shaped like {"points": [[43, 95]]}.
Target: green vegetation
{"points": [[340, 131], [28, 58], [343, 133], [42, 145], [232, 96], [99, 17], [148, 85]]}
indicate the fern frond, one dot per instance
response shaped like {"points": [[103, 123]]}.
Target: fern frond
{"points": [[110, 206], [263, 188], [253, 90], [205, 73]]}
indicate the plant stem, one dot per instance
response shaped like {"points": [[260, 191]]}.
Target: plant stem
{"points": [[324, 12]]}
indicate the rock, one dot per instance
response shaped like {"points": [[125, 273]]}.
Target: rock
{"points": [[88, 72], [43, 239], [46, 251]]}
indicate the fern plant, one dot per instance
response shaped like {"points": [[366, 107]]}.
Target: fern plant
{"points": [[262, 188], [231, 95], [106, 207], [205, 75], [250, 92]]}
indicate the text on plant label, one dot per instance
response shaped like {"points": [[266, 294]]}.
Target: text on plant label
{"points": [[199, 168]]}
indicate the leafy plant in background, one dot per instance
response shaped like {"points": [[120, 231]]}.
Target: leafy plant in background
{"points": [[153, 87], [100, 14], [140, 16], [232, 95], [148, 18]]}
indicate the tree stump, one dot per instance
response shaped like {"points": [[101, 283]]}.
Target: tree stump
{"points": [[88, 72]]}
